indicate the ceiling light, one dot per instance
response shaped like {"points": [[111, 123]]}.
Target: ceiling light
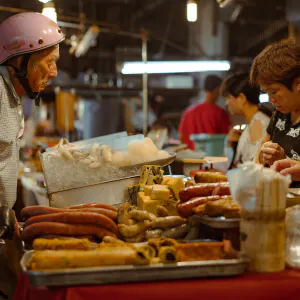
{"points": [[49, 11], [44, 1], [163, 67], [191, 11]]}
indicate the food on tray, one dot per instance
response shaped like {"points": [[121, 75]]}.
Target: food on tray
{"points": [[175, 185], [168, 222], [190, 183], [129, 231], [205, 251], [159, 192], [224, 207], [167, 255], [31, 211], [178, 232], [45, 228], [210, 177], [149, 250], [95, 157], [94, 205], [103, 256], [151, 174], [161, 211], [203, 190], [58, 244], [93, 220], [112, 252], [75, 217], [148, 225], [141, 215], [161, 242], [185, 209]]}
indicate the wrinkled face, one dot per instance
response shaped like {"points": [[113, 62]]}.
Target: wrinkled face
{"points": [[283, 99], [42, 68], [234, 105]]}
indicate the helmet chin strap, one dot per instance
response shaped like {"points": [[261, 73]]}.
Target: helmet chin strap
{"points": [[21, 74]]}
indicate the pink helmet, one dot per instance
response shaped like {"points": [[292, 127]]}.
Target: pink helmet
{"points": [[27, 32]]}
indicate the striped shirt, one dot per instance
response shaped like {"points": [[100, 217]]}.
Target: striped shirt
{"points": [[11, 129]]}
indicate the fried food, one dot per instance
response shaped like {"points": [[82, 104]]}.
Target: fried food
{"points": [[58, 244]]}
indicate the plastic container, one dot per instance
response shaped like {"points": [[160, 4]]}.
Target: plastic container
{"points": [[211, 144], [292, 249]]}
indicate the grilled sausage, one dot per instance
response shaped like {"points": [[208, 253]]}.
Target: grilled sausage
{"points": [[46, 228], [221, 191], [31, 211], [76, 217], [186, 209], [199, 191], [94, 205], [168, 222]]}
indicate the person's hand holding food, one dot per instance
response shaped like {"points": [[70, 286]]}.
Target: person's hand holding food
{"points": [[288, 167], [271, 152]]}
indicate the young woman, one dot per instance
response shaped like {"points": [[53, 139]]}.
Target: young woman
{"points": [[277, 71], [243, 100]]}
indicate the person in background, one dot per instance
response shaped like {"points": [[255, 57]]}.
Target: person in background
{"points": [[277, 70], [206, 117], [243, 100], [28, 54]]}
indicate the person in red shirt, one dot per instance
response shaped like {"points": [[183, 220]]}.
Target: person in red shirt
{"points": [[206, 117]]}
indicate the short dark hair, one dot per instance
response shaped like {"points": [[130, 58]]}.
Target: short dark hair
{"points": [[212, 82], [238, 83], [279, 62]]}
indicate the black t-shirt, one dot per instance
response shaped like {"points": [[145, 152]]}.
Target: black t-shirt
{"points": [[287, 135]]}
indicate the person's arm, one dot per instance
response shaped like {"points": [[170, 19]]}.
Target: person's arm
{"points": [[266, 139]]}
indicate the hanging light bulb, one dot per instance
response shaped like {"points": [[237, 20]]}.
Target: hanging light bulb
{"points": [[191, 11], [49, 11]]}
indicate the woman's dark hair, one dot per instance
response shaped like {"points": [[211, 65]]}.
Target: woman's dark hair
{"points": [[238, 83], [278, 62]]}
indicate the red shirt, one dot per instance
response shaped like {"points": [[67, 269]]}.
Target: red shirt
{"points": [[203, 118]]}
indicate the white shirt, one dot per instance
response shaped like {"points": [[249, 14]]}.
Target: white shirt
{"points": [[246, 149]]}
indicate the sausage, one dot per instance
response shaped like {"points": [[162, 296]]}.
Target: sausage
{"points": [[93, 205], [133, 230], [49, 228], [31, 211], [168, 222], [141, 215], [137, 238], [186, 209], [221, 191], [154, 233], [161, 211], [76, 217], [203, 190], [178, 232]]}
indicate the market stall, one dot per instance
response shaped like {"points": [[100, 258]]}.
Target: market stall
{"points": [[149, 240]]}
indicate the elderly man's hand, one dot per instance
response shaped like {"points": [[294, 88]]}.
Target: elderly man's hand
{"points": [[271, 152], [288, 166]]}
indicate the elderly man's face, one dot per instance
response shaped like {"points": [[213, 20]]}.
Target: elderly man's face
{"points": [[42, 67]]}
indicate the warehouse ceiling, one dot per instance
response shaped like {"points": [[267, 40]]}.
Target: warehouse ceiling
{"points": [[252, 25]]}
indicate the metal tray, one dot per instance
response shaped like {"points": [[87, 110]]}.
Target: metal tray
{"points": [[218, 222], [121, 274]]}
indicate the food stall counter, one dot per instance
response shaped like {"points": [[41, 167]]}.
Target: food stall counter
{"points": [[276, 286]]}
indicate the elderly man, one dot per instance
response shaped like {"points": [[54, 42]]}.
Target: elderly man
{"points": [[28, 54]]}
